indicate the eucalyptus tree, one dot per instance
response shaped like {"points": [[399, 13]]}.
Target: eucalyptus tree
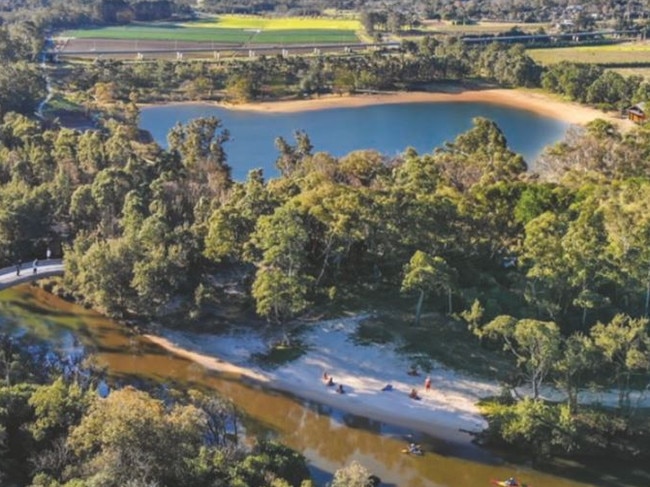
{"points": [[535, 344], [544, 261], [577, 358], [129, 436], [424, 274], [480, 154], [281, 285], [231, 225], [624, 342], [626, 214], [291, 156], [584, 249], [200, 146]]}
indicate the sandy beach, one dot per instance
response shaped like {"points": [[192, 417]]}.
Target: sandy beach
{"points": [[533, 101], [448, 410]]}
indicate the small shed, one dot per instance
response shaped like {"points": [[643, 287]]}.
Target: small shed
{"points": [[638, 113]]}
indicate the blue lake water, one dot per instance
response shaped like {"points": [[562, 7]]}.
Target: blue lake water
{"points": [[390, 129]]}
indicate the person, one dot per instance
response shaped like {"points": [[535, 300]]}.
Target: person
{"points": [[413, 371], [35, 266], [427, 384], [414, 394], [330, 381], [18, 264], [48, 253], [325, 376], [511, 482], [340, 389], [415, 449]]}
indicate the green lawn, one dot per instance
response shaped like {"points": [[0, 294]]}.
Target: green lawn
{"points": [[231, 30], [480, 27], [628, 53]]}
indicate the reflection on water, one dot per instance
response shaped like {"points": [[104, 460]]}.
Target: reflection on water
{"points": [[327, 437]]}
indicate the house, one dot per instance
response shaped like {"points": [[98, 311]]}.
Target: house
{"points": [[638, 113]]}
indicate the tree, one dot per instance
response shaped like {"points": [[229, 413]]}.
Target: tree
{"points": [[271, 462], [625, 344], [576, 359], [130, 436], [353, 475], [535, 344], [424, 274], [281, 284], [57, 408]]}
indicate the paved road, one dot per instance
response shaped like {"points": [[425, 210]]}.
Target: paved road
{"points": [[46, 268]]}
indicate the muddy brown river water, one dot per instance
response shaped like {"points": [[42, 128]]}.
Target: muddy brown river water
{"points": [[329, 438]]}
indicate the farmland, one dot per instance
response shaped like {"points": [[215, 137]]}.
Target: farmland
{"points": [[232, 29], [479, 28], [629, 54]]}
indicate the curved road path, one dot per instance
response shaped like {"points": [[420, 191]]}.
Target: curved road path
{"points": [[46, 268]]}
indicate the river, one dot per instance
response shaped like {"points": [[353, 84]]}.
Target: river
{"points": [[329, 438], [388, 128]]}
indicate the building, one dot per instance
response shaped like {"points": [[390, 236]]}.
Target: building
{"points": [[638, 113]]}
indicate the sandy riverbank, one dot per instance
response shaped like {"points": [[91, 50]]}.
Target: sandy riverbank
{"points": [[448, 410], [533, 101]]}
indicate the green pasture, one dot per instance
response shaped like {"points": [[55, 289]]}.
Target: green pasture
{"points": [[611, 54], [643, 72], [480, 27], [232, 30]]}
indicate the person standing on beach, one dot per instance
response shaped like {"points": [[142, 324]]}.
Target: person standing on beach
{"points": [[18, 264], [427, 384], [35, 266], [48, 253]]}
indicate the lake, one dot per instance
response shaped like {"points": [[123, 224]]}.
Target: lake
{"points": [[328, 437], [389, 128]]}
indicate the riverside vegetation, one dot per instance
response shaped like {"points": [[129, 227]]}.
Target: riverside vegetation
{"points": [[553, 265]]}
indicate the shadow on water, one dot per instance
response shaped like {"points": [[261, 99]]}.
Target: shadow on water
{"points": [[328, 437]]}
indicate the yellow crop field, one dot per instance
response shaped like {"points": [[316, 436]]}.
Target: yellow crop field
{"points": [[280, 23]]}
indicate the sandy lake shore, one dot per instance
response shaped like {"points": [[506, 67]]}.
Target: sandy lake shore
{"points": [[533, 101]]}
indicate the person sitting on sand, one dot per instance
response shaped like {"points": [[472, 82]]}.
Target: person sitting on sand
{"points": [[339, 389], [330, 381], [414, 394], [415, 449], [512, 482]]}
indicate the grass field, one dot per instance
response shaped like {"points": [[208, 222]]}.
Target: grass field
{"points": [[479, 28], [643, 72], [629, 53], [232, 29]]}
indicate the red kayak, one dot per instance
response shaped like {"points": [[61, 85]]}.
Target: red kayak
{"points": [[505, 483]]}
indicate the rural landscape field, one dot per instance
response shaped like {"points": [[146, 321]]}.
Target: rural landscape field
{"points": [[233, 29]]}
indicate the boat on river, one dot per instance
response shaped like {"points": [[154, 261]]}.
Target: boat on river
{"points": [[507, 483]]}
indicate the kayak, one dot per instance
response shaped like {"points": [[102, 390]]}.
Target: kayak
{"points": [[503, 483], [418, 453]]}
